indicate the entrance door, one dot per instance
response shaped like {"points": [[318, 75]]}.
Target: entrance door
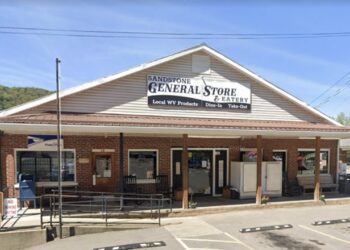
{"points": [[220, 170], [104, 172], [200, 165]]}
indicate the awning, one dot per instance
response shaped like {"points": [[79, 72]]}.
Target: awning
{"points": [[81, 123]]}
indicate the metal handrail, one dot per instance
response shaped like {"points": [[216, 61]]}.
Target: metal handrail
{"points": [[104, 203]]}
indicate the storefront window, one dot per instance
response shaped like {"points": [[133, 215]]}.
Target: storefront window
{"points": [[143, 164], [249, 154], [306, 162], [103, 166], [43, 165], [348, 157]]}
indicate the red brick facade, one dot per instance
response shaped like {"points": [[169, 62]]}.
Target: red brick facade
{"points": [[84, 146]]}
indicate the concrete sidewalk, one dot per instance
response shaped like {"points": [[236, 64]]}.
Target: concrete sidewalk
{"points": [[30, 218]]}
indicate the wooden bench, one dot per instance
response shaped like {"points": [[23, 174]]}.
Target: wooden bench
{"points": [[326, 182]]}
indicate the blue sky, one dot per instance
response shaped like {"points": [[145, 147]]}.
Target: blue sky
{"points": [[303, 67]]}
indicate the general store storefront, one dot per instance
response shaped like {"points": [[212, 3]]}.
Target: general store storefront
{"points": [[195, 117]]}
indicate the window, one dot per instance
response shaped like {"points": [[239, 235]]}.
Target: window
{"points": [[249, 154], [103, 166], [43, 165], [348, 157], [143, 163], [280, 155], [306, 162]]}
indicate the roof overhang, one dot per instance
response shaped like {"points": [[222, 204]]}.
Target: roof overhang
{"points": [[22, 128], [139, 68]]}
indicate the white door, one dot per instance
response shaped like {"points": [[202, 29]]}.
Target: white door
{"points": [[273, 174], [249, 177]]}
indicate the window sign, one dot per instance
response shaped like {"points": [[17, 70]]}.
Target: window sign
{"points": [[197, 93]]}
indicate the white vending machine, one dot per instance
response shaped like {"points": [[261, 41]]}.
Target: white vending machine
{"points": [[243, 177]]}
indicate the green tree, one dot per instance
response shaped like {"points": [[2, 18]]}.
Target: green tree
{"points": [[343, 119], [13, 96]]}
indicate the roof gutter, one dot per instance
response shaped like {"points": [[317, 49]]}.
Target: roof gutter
{"points": [[21, 128]]}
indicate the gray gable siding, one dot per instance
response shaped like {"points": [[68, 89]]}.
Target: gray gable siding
{"points": [[128, 95]]}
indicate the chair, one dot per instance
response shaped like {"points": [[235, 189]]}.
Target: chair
{"points": [[130, 185], [291, 187], [162, 185]]}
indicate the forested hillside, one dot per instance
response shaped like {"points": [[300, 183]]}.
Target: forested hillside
{"points": [[12, 96]]}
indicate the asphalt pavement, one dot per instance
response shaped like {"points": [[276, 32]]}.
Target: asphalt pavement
{"points": [[222, 231]]}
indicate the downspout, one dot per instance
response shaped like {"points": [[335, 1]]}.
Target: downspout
{"points": [[121, 163], [337, 172]]}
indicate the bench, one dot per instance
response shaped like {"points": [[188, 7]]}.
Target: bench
{"points": [[326, 182]]}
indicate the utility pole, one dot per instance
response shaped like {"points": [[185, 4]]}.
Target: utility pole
{"points": [[59, 151]]}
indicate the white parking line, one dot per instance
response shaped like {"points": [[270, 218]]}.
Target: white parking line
{"points": [[201, 248], [324, 234], [182, 244], [240, 242], [235, 241], [192, 248], [209, 240]]}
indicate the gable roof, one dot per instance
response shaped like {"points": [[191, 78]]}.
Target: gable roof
{"points": [[201, 47]]}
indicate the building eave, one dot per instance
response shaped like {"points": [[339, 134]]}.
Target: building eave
{"points": [[201, 47], [23, 128]]}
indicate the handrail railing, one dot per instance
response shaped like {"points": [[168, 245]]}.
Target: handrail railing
{"points": [[106, 204]]}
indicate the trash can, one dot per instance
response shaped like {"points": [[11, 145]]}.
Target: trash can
{"points": [[347, 184], [234, 193], [26, 189], [341, 183], [344, 183]]}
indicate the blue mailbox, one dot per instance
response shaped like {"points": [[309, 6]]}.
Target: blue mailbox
{"points": [[26, 188]]}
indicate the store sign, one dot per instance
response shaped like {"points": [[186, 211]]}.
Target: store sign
{"points": [[197, 93], [43, 142], [10, 205]]}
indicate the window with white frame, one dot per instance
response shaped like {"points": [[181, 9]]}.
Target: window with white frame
{"points": [[43, 165], [143, 163], [306, 161]]}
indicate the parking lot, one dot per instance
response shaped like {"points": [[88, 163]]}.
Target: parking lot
{"points": [[302, 235], [222, 231]]}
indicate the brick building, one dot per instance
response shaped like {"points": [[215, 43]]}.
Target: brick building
{"points": [[187, 116]]}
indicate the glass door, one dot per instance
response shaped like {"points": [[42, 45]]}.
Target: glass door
{"points": [[200, 164]]}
